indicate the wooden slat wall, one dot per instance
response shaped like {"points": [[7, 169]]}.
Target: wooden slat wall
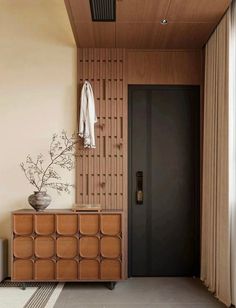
{"points": [[102, 172]]}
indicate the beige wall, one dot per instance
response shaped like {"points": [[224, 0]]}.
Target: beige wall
{"points": [[37, 93]]}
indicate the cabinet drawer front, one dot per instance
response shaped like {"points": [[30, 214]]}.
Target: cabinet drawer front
{"points": [[67, 224], [67, 270], [89, 224], [44, 247], [23, 270], [44, 270], [67, 247], [89, 247], [89, 270], [23, 224], [110, 270], [111, 224], [44, 224], [23, 247], [110, 247]]}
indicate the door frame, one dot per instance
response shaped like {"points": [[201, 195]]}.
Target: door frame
{"points": [[129, 212]]}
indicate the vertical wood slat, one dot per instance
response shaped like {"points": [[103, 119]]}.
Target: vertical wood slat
{"points": [[89, 160], [84, 175], [102, 172], [103, 109], [116, 77], [125, 162], [105, 77]]}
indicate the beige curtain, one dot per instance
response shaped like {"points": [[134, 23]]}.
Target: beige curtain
{"points": [[215, 252], [232, 146]]}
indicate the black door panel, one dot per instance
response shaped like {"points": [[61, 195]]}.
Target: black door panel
{"points": [[164, 145]]}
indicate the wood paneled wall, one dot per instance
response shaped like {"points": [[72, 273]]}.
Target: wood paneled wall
{"points": [[102, 172], [164, 67]]}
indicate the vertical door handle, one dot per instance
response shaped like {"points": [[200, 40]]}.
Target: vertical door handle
{"points": [[139, 187]]}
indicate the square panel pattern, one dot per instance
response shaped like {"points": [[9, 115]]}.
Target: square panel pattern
{"points": [[67, 246]]}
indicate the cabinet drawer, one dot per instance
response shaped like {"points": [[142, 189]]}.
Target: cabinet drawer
{"points": [[44, 270], [89, 247], [23, 270], [67, 270], [111, 224], [44, 224], [110, 269], [23, 224], [89, 224], [110, 247], [89, 270], [67, 224], [67, 247], [23, 247], [44, 247]]}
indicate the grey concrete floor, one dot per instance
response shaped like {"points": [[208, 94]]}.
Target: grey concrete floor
{"points": [[155, 292]]}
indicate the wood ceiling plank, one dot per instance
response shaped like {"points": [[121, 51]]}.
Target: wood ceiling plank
{"points": [[197, 10], [137, 35], [81, 10], [141, 10], [154, 35], [187, 35], [97, 34], [138, 23]]}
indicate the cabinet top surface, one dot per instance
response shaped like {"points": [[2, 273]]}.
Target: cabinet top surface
{"points": [[65, 211]]}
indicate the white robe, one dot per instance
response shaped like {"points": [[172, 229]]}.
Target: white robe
{"points": [[87, 116]]}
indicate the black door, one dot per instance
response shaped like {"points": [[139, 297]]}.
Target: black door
{"points": [[164, 180]]}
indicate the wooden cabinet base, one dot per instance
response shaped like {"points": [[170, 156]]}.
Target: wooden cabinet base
{"points": [[67, 246]]}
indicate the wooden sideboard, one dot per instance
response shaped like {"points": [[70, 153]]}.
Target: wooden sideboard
{"points": [[61, 245]]}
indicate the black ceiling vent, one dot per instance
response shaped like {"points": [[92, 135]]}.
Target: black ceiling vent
{"points": [[103, 10]]}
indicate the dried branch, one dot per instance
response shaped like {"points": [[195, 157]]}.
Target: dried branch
{"points": [[61, 152], [60, 187]]}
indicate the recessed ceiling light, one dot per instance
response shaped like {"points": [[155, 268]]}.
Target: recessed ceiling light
{"points": [[164, 21]]}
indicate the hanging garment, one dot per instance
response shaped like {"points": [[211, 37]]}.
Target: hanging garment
{"points": [[87, 116]]}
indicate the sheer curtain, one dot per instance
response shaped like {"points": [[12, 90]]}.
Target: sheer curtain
{"points": [[232, 144], [215, 252]]}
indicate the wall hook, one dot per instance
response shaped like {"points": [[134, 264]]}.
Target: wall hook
{"points": [[103, 184], [102, 126], [119, 145]]}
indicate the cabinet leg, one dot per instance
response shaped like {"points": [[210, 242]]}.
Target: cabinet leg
{"points": [[111, 285], [23, 287]]}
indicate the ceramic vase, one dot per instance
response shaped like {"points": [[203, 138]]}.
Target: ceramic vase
{"points": [[40, 200]]}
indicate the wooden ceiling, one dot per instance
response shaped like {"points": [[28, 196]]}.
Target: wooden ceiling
{"points": [[190, 23]]}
